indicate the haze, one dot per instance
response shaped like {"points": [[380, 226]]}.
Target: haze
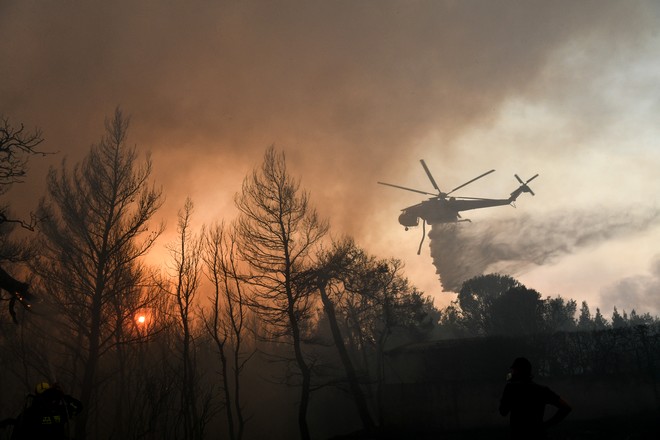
{"points": [[357, 92]]}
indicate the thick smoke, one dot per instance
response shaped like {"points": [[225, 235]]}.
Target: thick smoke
{"points": [[348, 88], [641, 292], [510, 245]]}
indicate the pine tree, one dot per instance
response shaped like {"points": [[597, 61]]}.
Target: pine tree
{"points": [[585, 323]]}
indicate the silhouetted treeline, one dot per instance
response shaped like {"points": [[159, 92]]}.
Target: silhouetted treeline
{"points": [[497, 305]]}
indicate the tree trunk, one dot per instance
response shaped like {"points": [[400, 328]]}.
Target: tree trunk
{"points": [[304, 372], [354, 385]]}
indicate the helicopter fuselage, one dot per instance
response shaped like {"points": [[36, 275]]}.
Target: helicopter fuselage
{"points": [[436, 210]]}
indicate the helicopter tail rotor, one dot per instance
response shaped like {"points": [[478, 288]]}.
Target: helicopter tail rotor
{"points": [[523, 187]]}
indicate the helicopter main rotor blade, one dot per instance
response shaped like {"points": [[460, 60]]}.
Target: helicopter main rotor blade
{"points": [[407, 189], [469, 182], [428, 173]]}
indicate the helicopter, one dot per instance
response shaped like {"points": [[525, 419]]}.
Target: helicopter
{"points": [[441, 208]]}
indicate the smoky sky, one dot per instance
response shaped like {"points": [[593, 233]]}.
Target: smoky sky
{"points": [[348, 89], [337, 83], [511, 245], [639, 292]]}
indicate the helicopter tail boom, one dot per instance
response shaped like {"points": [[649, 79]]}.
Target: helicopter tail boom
{"points": [[522, 188]]}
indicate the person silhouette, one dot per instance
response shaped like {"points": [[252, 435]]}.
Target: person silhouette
{"points": [[47, 414], [525, 401]]}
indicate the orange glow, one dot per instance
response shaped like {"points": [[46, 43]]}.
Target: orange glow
{"points": [[141, 319]]}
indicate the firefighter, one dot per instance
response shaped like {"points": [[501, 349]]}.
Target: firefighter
{"points": [[47, 414]]}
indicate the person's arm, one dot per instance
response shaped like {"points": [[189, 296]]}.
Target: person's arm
{"points": [[74, 406], [563, 409]]}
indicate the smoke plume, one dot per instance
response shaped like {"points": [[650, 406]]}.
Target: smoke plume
{"points": [[640, 293], [510, 245]]}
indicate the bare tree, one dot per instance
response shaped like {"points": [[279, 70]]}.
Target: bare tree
{"points": [[187, 260], [141, 317], [95, 231], [17, 145], [277, 232], [227, 321]]}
